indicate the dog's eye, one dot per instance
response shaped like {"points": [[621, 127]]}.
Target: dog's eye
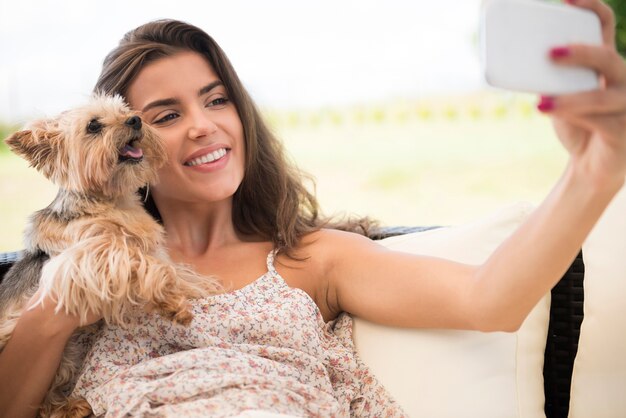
{"points": [[94, 126]]}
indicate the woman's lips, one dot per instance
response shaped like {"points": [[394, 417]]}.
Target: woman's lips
{"points": [[197, 164], [208, 157]]}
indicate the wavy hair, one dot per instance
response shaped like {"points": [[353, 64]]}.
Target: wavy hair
{"points": [[272, 200]]}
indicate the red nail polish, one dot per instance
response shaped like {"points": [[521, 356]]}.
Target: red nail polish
{"points": [[546, 104], [559, 52]]}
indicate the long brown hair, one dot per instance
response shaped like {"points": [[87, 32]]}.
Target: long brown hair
{"points": [[272, 200]]}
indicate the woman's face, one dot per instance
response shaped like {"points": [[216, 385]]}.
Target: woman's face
{"points": [[184, 100]]}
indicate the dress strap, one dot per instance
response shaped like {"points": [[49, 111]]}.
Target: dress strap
{"points": [[270, 261]]}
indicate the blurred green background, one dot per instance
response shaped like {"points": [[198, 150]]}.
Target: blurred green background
{"points": [[619, 8]]}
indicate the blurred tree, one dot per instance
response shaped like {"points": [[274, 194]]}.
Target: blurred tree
{"points": [[619, 8]]}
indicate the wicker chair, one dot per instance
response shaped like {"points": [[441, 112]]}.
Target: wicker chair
{"points": [[566, 315]]}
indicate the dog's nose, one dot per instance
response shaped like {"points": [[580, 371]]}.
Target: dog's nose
{"points": [[134, 122]]}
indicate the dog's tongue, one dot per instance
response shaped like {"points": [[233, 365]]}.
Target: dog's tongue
{"points": [[131, 152]]}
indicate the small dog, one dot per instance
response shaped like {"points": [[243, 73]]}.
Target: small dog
{"points": [[95, 248]]}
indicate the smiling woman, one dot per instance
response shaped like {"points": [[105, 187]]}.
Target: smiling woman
{"points": [[196, 93], [186, 102]]}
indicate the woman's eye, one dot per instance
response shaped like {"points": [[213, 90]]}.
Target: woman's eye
{"points": [[220, 101], [166, 118]]}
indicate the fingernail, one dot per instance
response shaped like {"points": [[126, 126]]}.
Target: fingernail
{"points": [[570, 1], [559, 52], [546, 104]]}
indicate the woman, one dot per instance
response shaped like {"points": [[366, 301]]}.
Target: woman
{"points": [[227, 199]]}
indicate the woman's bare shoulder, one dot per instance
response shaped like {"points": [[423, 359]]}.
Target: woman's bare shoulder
{"points": [[326, 249], [327, 238], [312, 262], [327, 244]]}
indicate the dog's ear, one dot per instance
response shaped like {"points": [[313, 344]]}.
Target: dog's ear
{"points": [[39, 145]]}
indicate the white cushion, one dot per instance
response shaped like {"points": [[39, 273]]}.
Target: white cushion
{"points": [[450, 373], [599, 376]]}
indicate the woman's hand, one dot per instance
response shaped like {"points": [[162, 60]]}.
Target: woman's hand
{"points": [[31, 357], [592, 125], [57, 322]]}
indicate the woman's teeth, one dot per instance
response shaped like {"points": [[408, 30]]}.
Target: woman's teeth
{"points": [[207, 158]]}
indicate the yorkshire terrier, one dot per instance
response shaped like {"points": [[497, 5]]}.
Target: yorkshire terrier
{"points": [[95, 248]]}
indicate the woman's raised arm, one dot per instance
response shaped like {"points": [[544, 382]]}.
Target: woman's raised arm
{"points": [[406, 290]]}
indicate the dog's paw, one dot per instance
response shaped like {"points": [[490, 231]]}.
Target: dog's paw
{"points": [[180, 313], [183, 317], [74, 408]]}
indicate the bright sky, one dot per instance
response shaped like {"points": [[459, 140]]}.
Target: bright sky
{"points": [[288, 53]]}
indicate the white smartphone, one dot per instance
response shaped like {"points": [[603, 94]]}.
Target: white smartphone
{"points": [[517, 35]]}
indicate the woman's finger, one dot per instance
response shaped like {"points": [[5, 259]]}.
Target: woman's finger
{"points": [[596, 102], [605, 13], [610, 128], [604, 59]]}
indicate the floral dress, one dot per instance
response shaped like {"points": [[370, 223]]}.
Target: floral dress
{"points": [[264, 347]]}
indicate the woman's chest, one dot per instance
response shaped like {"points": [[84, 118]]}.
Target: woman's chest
{"points": [[239, 268], [263, 313]]}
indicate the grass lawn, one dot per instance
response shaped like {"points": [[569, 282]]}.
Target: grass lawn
{"points": [[410, 165]]}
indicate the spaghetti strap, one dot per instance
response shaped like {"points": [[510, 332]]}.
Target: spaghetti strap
{"points": [[270, 262]]}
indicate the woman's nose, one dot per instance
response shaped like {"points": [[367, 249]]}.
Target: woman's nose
{"points": [[201, 125]]}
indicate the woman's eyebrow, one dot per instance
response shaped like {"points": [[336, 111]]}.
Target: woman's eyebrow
{"points": [[210, 87], [160, 102], [172, 101]]}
